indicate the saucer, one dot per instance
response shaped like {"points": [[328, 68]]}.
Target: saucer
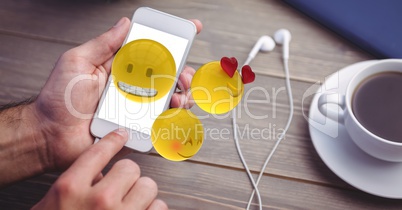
{"points": [[341, 154]]}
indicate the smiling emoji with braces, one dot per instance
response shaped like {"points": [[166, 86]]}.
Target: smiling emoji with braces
{"points": [[144, 70]]}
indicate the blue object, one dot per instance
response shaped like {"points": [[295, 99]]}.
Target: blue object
{"points": [[373, 25]]}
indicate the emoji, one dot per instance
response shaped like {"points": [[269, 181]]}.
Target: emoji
{"points": [[177, 134], [144, 70], [217, 87]]}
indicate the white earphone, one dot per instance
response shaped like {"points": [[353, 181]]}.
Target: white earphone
{"points": [[283, 37], [266, 44]]}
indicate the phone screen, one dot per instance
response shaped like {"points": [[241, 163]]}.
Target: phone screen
{"points": [[134, 115]]}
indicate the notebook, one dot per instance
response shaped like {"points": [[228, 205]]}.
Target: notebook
{"points": [[373, 25]]}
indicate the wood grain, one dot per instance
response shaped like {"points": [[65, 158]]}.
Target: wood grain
{"points": [[191, 185], [35, 33]]}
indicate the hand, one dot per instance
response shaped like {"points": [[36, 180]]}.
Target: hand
{"points": [[66, 135], [83, 186]]}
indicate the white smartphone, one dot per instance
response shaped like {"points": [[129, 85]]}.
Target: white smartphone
{"points": [[114, 109]]}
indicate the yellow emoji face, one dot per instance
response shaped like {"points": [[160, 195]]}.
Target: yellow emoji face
{"points": [[144, 70], [177, 134], [214, 91]]}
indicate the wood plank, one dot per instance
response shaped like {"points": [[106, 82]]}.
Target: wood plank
{"points": [[315, 52], [215, 184], [25, 66], [189, 185]]}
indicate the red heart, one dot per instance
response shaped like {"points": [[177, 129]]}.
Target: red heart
{"points": [[229, 65], [248, 75]]}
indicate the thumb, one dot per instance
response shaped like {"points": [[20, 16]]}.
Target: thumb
{"points": [[97, 51]]}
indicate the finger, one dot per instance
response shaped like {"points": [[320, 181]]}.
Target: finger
{"points": [[142, 194], [175, 102], [97, 178], [189, 70], [91, 162], [120, 179], [185, 78], [182, 99], [97, 51], [158, 205], [122, 153], [197, 24]]}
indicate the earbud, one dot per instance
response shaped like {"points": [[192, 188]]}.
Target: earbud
{"points": [[264, 44], [283, 37]]}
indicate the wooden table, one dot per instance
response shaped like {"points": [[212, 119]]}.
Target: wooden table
{"points": [[33, 34]]}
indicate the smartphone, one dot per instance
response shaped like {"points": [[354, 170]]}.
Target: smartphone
{"points": [[115, 108]]}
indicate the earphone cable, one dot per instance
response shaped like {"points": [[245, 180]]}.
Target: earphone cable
{"points": [[236, 139], [234, 117], [291, 110]]}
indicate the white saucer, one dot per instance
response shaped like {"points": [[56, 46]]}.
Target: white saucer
{"points": [[341, 154]]}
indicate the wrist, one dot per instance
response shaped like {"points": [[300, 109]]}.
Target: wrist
{"points": [[38, 132], [23, 146]]}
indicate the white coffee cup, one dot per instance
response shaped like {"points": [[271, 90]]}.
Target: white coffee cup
{"points": [[366, 140]]}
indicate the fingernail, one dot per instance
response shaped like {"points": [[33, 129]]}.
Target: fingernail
{"points": [[121, 21], [121, 132]]}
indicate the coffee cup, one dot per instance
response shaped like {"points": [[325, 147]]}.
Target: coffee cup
{"points": [[371, 109]]}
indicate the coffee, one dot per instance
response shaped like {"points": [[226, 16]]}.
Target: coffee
{"points": [[377, 105]]}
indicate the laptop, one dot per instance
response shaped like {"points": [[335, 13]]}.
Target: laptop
{"points": [[373, 25]]}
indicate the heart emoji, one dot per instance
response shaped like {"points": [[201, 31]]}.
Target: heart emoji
{"points": [[248, 75], [229, 65]]}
